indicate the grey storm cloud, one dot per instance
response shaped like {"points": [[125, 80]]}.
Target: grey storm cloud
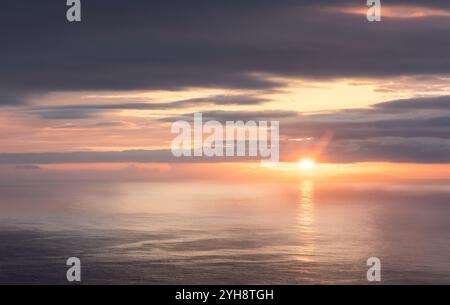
{"points": [[129, 45]]}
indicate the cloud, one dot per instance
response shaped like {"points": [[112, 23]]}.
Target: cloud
{"points": [[122, 45], [137, 156], [391, 149], [435, 127], [223, 116], [414, 130], [409, 130], [408, 118], [67, 113], [10, 98], [28, 167], [439, 102], [101, 124], [84, 111]]}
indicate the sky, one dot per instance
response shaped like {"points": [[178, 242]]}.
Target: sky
{"points": [[100, 95]]}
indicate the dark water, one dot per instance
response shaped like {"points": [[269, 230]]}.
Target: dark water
{"points": [[162, 233]]}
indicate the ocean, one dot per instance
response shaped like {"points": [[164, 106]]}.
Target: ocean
{"points": [[308, 232]]}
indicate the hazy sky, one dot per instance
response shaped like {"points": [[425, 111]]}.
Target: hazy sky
{"points": [[93, 91]]}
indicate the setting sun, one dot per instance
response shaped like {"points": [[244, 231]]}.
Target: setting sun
{"points": [[306, 164]]}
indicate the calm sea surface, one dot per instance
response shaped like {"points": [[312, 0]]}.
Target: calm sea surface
{"points": [[200, 233]]}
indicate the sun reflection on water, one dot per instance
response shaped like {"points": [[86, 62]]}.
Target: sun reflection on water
{"points": [[305, 221], [305, 211]]}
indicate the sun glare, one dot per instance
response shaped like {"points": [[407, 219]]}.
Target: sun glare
{"points": [[306, 164]]}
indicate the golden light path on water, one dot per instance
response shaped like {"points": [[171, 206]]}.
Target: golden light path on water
{"points": [[305, 221]]}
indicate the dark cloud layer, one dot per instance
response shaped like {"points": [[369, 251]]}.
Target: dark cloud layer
{"points": [[440, 102], [408, 118], [125, 45]]}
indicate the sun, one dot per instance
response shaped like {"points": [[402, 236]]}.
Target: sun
{"points": [[306, 164]]}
